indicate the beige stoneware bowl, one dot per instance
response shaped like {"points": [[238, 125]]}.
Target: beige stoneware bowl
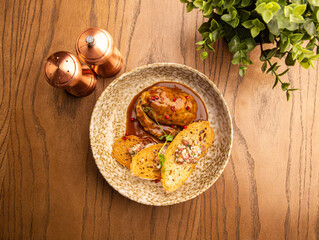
{"points": [[108, 123]]}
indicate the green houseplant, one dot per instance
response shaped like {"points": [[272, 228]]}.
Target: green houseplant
{"points": [[291, 26]]}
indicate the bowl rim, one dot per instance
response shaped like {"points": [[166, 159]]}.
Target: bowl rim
{"points": [[154, 65]]}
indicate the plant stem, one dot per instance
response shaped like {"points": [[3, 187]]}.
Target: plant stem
{"points": [[270, 64], [166, 139], [158, 123], [159, 152], [274, 71]]}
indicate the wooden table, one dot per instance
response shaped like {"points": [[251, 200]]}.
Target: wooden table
{"points": [[50, 185]]}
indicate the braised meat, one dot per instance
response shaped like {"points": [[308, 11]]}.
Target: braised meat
{"points": [[169, 107]]}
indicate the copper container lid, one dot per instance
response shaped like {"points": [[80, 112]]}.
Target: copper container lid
{"points": [[60, 68], [94, 46], [64, 70]]}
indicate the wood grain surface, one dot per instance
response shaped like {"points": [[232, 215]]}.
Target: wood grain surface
{"points": [[50, 185]]}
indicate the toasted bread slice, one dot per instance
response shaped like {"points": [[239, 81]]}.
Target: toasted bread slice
{"points": [[145, 165], [121, 149], [176, 174]]}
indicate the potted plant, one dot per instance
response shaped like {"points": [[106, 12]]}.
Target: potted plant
{"points": [[291, 26]]}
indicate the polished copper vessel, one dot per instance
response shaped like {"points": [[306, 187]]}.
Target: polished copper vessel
{"points": [[64, 70], [95, 47]]}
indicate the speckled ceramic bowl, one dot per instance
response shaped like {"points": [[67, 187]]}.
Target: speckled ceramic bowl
{"points": [[109, 119]]}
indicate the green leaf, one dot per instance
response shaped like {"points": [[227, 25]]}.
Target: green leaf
{"points": [[210, 47], [264, 66], [271, 53], [238, 54], [260, 7], [301, 57], [245, 3], [258, 24], [289, 60], [296, 37], [284, 86], [244, 14], [293, 89], [288, 10], [216, 35], [295, 55], [267, 16], [214, 24], [250, 44], [200, 42], [169, 138], [273, 27], [314, 3], [284, 72], [284, 46], [184, 1], [162, 161], [234, 44], [305, 63], [209, 8], [203, 55], [274, 7], [268, 10], [161, 157], [234, 23], [288, 95], [263, 55], [226, 18], [280, 55], [189, 6], [219, 10], [205, 35], [204, 27], [246, 61], [241, 72], [206, 6], [236, 60], [198, 3], [296, 19], [310, 27], [211, 37], [305, 50], [315, 57], [272, 68], [311, 44], [271, 38], [254, 32], [228, 3], [162, 137], [276, 82], [216, 2], [300, 9], [248, 24]]}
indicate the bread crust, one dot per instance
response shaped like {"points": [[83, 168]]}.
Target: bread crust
{"points": [[144, 164], [121, 147], [176, 174]]}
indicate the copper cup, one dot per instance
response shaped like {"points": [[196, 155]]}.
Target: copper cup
{"points": [[64, 70], [95, 47]]}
